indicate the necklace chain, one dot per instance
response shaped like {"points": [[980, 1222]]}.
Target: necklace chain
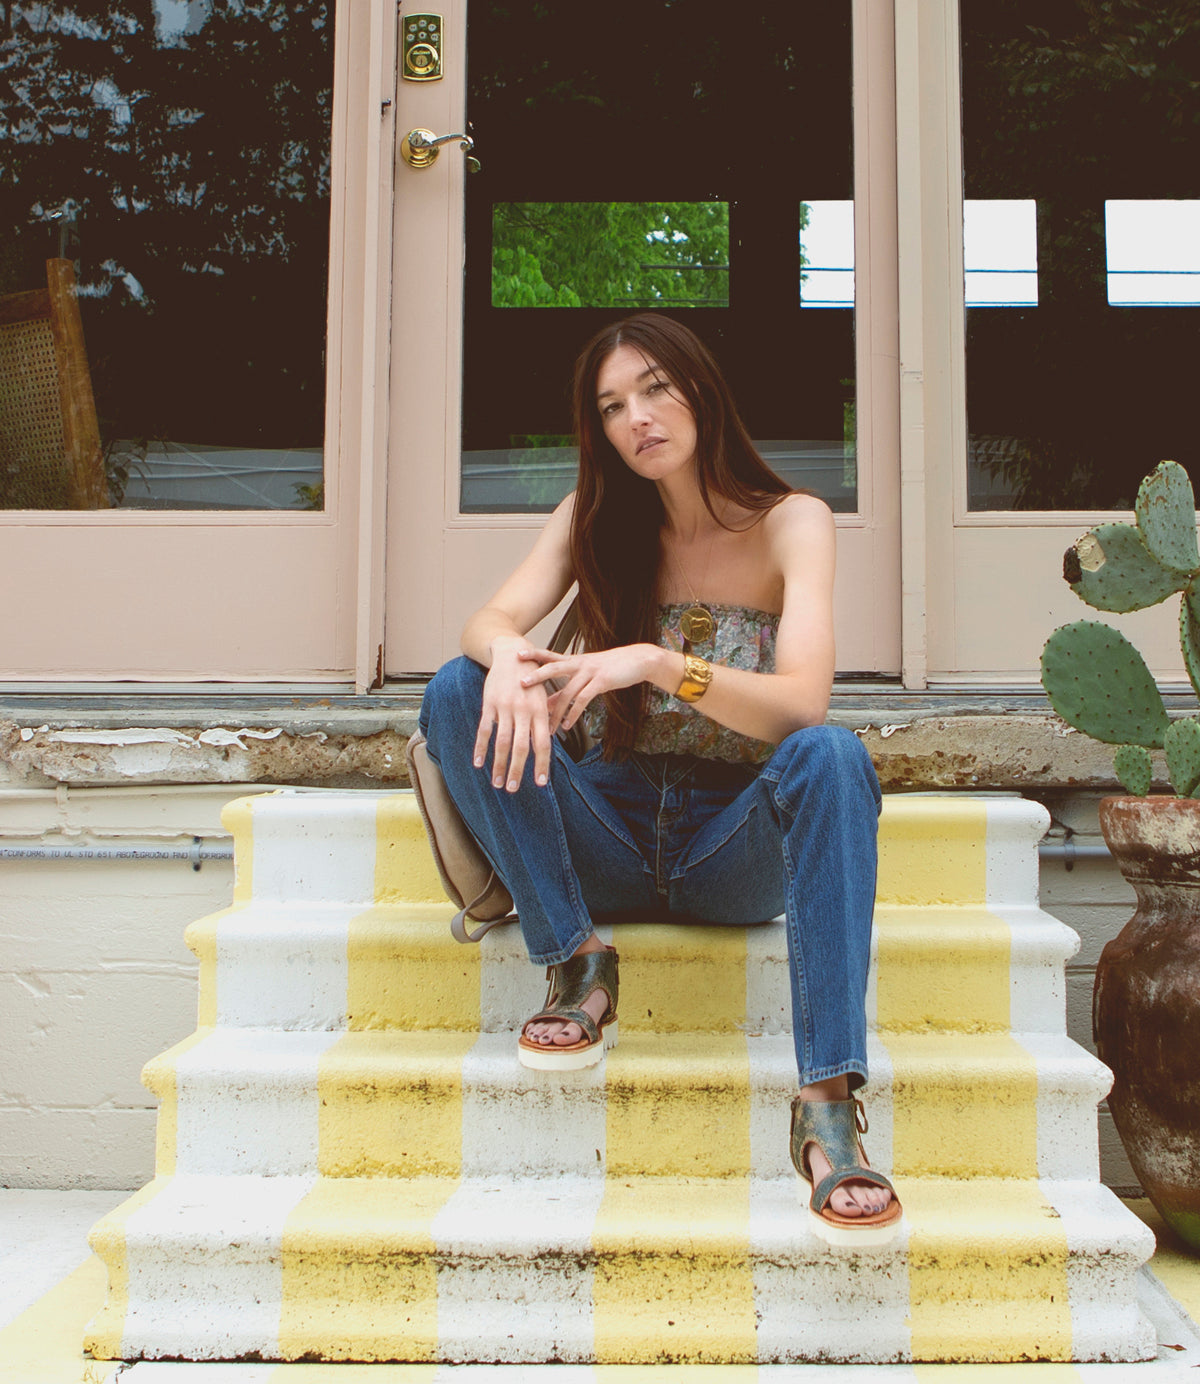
{"points": [[697, 625]]}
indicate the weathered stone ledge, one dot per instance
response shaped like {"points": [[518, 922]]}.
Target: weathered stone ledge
{"points": [[913, 747]]}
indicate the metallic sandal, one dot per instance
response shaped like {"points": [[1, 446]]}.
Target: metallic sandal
{"points": [[834, 1127], [571, 982]]}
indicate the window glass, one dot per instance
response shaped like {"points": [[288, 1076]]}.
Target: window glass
{"points": [[610, 255], [1078, 389], [826, 254], [581, 145], [1153, 253], [1000, 253], [164, 200]]}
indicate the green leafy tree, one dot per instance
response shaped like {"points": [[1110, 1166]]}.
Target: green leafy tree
{"points": [[610, 254]]}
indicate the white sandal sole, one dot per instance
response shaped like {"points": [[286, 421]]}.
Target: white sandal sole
{"points": [[550, 1059], [852, 1237]]}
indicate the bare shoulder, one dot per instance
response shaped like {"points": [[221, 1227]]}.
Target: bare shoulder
{"points": [[563, 513], [802, 521]]}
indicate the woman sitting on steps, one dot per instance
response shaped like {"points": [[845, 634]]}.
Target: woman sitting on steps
{"points": [[714, 792]]}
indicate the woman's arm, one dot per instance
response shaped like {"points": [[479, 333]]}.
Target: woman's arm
{"points": [[494, 637], [800, 539]]}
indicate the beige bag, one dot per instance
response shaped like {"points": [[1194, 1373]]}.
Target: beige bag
{"points": [[466, 873]]}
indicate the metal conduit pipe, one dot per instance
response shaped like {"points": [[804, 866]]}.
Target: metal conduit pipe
{"points": [[201, 850], [196, 854], [1068, 852]]}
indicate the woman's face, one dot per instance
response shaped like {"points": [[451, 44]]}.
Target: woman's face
{"points": [[647, 422]]}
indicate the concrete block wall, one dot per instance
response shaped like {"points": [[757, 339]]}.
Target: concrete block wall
{"points": [[95, 977]]}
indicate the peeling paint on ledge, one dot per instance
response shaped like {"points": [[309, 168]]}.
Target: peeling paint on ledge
{"points": [[963, 751], [108, 758]]}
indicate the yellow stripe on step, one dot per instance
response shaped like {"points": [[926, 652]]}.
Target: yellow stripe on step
{"points": [[987, 1263], [404, 868], [391, 1104], [107, 1329], [932, 850], [673, 1281], [159, 1076], [352, 1246], [939, 1116], [201, 938], [678, 1106], [237, 817], [672, 1251], [942, 968], [407, 972], [678, 980]]}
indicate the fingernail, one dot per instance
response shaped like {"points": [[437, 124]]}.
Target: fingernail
{"points": [[513, 785], [497, 783], [541, 778], [479, 761]]}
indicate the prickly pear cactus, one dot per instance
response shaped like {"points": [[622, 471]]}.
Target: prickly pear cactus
{"points": [[1189, 635], [1182, 744], [1098, 682], [1111, 568], [1166, 517], [1134, 768]]}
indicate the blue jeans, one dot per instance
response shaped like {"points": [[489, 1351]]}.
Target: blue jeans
{"points": [[692, 840]]}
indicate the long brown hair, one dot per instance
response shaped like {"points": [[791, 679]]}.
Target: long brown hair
{"points": [[618, 518]]}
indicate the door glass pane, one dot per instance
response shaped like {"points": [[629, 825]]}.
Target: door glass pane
{"points": [[164, 203], [629, 255], [1081, 139], [660, 165], [1153, 253]]}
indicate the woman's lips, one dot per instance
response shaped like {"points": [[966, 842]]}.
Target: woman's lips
{"points": [[649, 442]]}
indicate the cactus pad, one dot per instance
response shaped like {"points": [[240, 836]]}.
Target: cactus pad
{"points": [[1111, 568], [1166, 517], [1099, 683], [1189, 636], [1134, 769], [1182, 743]]}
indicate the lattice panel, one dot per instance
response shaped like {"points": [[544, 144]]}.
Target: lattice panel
{"points": [[34, 471]]}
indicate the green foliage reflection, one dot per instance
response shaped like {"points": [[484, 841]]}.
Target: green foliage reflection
{"points": [[610, 254]]}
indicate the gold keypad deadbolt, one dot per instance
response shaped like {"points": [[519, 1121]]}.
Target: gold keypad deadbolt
{"points": [[421, 50]]}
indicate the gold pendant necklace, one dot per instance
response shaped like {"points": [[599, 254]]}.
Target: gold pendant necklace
{"points": [[697, 624]]}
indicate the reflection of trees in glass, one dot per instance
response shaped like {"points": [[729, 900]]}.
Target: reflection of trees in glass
{"points": [[196, 173], [1072, 402], [610, 254]]}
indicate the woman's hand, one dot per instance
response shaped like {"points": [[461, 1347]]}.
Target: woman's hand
{"points": [[583, 677], [519, 714]]}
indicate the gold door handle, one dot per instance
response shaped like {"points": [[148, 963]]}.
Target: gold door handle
{"points": [[419, 148]]}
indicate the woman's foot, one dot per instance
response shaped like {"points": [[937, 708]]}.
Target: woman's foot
{"points": [[851, 1198], [556, 1033], [578, 1022]]}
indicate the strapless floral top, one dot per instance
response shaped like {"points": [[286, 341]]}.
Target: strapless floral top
{"points": [[743, 638]]}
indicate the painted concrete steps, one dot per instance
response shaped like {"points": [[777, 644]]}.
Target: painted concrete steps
{"points": [[313, 846], [342, 1033], [306, 966], [644, 1270], [401, 1104]]}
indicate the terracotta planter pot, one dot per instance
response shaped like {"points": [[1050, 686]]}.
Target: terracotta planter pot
{"points": [[1146, 1005]]}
